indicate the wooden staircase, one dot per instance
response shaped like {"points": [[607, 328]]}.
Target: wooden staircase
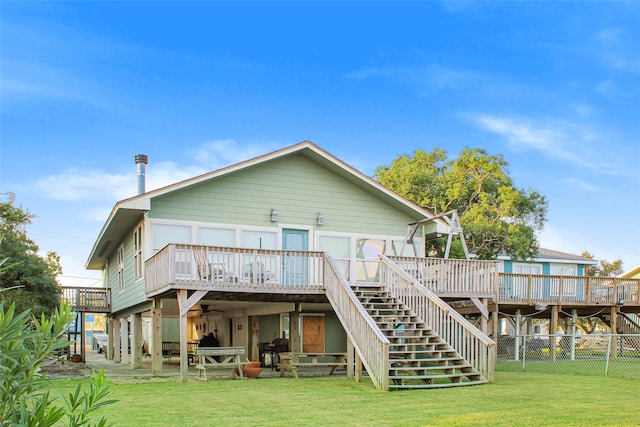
{"points": [[418, 357]]}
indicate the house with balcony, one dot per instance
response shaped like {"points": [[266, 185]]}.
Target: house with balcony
{"points": [[298, 245]]}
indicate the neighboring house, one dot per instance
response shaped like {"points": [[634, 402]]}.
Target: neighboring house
{"points": [[548, 262], [634, 273]]}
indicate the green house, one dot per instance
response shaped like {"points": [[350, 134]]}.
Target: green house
{"points": [[246, 253]]}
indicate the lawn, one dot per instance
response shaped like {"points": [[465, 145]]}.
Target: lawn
{"points": [[515, 399]]}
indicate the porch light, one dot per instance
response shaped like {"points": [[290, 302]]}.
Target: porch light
{"points": [[274, 215], [540, 306], [319, 218]]}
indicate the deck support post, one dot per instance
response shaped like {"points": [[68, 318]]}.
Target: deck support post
{"points": [[518, 330], [358, 368], [83, 336], [350, 358], [116, 340], [254, 352], [124, 340], [109, 348], [553, 330], [136, 340], [484, 320], [614, 330], [294, 330], [572, 331], [155, 346]]}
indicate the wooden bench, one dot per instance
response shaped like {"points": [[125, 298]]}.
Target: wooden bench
{"points": [[172, 348], [219, 357], [292, 361]]}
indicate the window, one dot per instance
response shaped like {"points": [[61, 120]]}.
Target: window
{"points": [[121, 268], [259, 239], [563, 270], [527, 268], [367, 263], [163, 234], [217, 237], [338, 248], [138, 260], [397, 246]]}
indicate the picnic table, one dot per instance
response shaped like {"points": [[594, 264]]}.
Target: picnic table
{"points": [[219, 357], [290, 361]]}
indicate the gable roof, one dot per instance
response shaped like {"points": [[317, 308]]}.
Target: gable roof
{"points": [[634, 273], [126, 213], [550, 255]]}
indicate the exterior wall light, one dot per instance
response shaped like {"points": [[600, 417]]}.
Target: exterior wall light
{"points": [[319, 218], [274, 215]]}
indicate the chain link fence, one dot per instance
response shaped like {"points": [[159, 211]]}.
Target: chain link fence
{"points": [[594, 354]]}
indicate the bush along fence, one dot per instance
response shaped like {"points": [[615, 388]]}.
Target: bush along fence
{"points": [[593, 354]]}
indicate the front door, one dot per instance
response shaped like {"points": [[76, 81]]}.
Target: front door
{"points": [[313, 334], [294, 265]]}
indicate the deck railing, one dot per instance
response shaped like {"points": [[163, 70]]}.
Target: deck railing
{"points": [[216, 268], [87, 299], [370, 343], [453, 277], [467, 340], [555, 289]]}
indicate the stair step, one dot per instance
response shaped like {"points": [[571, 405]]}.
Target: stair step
{"points": [[431, 360], [432, 376], [416, 370], [417, 344], [436, 385]]}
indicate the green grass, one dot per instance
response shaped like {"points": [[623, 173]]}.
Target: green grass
{"points": [[515, 399]]}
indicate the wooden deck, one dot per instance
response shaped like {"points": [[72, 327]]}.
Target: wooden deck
{"points": [[90, 300], [234, 270], [452, 279]]}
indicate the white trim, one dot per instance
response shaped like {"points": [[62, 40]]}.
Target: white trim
{"points": [[308, 228]]}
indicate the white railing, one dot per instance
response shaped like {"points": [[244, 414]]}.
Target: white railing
{"points": [[467, 340], [370, 343], [87, 299], [453, 277], [532, 288], [215, 268]]}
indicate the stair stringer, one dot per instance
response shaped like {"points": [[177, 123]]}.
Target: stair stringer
{"points": [[370, 344], [418, 357]]}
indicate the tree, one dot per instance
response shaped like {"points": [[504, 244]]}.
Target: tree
{"points": [[604, 267], [26, 344], [496, 216], [32, 281]]}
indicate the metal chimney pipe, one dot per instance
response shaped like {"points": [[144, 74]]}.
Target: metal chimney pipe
{"points": [[141, 161]]}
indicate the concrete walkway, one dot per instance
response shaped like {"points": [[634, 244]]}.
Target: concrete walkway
{"points": [[119, 373]]}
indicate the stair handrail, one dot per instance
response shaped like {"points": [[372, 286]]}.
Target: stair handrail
{"points": [[468, 341], [371, 345], [632, 320]]}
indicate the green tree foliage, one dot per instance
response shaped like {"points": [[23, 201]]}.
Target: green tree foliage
{"points": [[496, 216], [604, 268], [32, 280]]}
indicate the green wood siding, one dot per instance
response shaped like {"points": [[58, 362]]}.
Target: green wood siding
{"points": [[133, 292], [297, 187]]}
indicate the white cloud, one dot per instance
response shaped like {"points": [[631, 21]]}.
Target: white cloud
{"points": [[428, 78], [558, 140], [578, 183], [97, 185], [83, 184], [611, 35], [224, 152]]}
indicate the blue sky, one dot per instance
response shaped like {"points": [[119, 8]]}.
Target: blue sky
{"points": [[553, 86]]}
